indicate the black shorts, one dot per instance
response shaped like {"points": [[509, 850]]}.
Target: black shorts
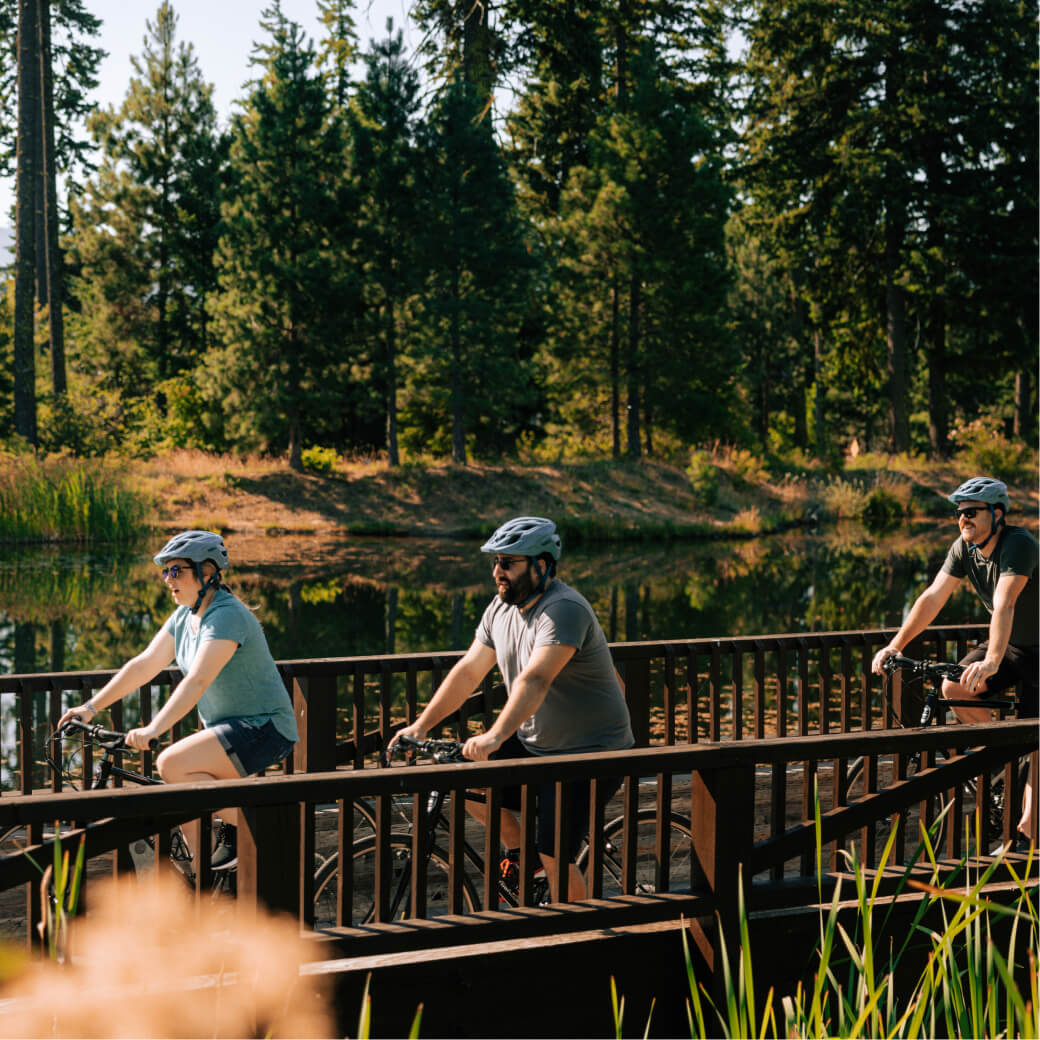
{"points": [[576, 798], [1019, 665]]}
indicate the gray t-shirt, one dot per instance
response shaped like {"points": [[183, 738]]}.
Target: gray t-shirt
{"points": [[248, 687], [1016, 553], [584, 709]]}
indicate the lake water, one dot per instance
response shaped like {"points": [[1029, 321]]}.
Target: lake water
{"points": [[65, 609]]}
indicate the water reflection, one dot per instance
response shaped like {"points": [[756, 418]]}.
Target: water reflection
{"points": [[70, 610]]}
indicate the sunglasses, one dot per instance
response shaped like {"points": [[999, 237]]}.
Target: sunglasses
{"points": [[507, 562], [174, 571], [968, 514]]}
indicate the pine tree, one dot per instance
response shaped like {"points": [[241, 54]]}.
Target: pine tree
{"points": [[876, 136], [469, 375], [286, 288], [146, 225], [385, 168], [25, 222]]}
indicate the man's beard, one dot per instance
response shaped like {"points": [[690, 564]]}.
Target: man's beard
{"points": [[519, 591]]}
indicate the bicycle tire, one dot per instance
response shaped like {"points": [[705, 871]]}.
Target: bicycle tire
{"points": [[647, 875], [362, 910]]}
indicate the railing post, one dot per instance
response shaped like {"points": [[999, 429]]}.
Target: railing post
{"points": [[269, 858], [314, 704], [722, 803], [637, 693]]}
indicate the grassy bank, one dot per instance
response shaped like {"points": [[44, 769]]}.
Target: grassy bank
{"points": [[58, 498], [721, 493]]}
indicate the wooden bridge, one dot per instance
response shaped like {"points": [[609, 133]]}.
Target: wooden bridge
{"points": [[735, 735]]}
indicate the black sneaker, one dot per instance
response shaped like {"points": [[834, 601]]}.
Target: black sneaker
{"points": [[225, 854]]}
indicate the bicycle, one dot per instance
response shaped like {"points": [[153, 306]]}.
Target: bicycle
{"points": [[142, 852], [919, 712], [437, 873]]}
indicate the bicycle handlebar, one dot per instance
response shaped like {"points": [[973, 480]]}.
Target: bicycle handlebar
{"points": [[441, 751], [930, 669], [109, 739]]}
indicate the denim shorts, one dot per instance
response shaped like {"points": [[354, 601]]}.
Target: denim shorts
{"points": [[251, 748]]}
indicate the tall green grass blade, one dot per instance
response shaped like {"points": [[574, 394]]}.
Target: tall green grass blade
{"points": [[413, 1033], [364, 1028], [694, 1000], [617, 1008], [77, 875]]}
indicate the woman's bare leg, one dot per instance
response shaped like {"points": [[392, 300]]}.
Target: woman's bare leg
{"points": [[200, 757]]}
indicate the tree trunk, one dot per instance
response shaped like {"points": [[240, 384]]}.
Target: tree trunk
{"points": [[615, 371], [895, 296], [477, 64], [895, 339], [295, 442], [632, 365], [818, 416], [458, 425], [54, 282], [1022, 412], [393, 456], [25, 221]]}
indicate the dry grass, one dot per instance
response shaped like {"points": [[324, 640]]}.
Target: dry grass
{"points": [[148, 963]]}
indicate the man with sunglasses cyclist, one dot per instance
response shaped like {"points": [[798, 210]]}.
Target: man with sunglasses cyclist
{"points": [[564, 694], [1000, 561]]}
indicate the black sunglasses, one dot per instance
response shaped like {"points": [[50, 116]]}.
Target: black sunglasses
{"points": [[174, 570], [968, 514], [507, 562]]}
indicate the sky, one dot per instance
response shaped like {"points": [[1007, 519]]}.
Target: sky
{"points": [[222, 33]]}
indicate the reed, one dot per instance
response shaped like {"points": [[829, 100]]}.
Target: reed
{"points": [[966, 987], [59, 498]]}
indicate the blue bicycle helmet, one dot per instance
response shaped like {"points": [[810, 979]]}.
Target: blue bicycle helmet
{"points": [[198, 547]]}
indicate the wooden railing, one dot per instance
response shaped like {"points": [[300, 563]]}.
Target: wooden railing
{"points": [[726, 789], [678, 691]]}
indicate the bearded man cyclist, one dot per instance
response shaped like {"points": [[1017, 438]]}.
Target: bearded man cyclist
{"points": [[1000, 561], [564, 694]]}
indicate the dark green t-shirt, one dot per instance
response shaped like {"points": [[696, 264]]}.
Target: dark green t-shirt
{"points": [[1016, 553]]}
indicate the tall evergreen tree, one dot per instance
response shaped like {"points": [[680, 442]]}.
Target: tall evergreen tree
{"points": [[470, 375], [74, 61], [875, 138], [286, 287], [648, 188], [146, 225], [25, 220], [385, 166]]}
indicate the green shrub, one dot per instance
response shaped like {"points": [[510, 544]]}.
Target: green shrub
{"points": [[983, 449], [319, 460], [882, 510], [704, 476]]}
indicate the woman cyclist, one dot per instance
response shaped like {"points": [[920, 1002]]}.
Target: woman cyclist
{"points": [[219, 646]]}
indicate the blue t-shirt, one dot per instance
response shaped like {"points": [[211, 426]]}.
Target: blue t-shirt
{"points": [[248, 687]]}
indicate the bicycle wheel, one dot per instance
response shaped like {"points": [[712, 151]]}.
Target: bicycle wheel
{"points": [[326, 885], [647, 875], [930, 813]]}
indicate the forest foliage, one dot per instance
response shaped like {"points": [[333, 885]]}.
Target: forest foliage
{"points": [[558, 230]]}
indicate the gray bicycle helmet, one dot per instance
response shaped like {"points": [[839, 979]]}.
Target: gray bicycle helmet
{"points": [[993, 493], [525, 536], [197, 546], [983, 489]]}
